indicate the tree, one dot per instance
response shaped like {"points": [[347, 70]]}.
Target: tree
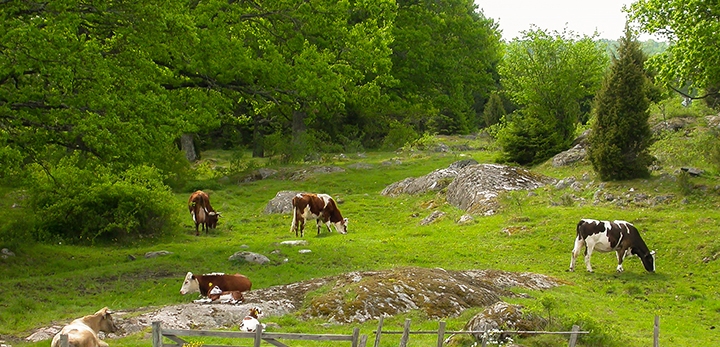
{"points": [[692, 27], [445, 56], [620, 135], [494, 110], [551, 77]]}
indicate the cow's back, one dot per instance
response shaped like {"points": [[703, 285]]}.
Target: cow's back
{"points": [[236, 282]]}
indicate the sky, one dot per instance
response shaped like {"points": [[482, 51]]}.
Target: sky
{"points": [[579, 16]]}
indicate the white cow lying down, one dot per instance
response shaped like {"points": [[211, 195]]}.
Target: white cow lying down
{"points": [[82, 332]]}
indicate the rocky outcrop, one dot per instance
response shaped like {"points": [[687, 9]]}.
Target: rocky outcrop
{"points": [[476, 187], [281, 203]]}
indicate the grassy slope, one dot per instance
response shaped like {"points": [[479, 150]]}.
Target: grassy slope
{"points": [[52, 283]]}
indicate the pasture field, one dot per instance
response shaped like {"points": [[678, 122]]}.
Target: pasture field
{"points": [[48, 284]]}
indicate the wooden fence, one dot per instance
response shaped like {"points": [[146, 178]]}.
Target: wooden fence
{"points": [[486, 334], [356, 340]]}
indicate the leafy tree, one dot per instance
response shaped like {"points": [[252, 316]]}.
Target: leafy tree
{"points": [[494, 110], [692, 27], [445, 55], [620, 136], [552, 78]]}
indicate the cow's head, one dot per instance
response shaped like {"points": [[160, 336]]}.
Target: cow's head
{"points": [[106, 321], [648, 261], [341, 226], [190, 285], [213, 219]]}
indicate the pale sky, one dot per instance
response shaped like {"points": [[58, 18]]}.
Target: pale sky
{"points": [[581, 16]]}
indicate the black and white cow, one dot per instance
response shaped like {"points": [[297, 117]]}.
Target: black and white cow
{"points": [[605, 236]]}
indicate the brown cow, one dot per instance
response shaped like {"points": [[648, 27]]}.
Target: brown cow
{"points": [[201, 211], [82, 332], [318, 207], [204, 284]]}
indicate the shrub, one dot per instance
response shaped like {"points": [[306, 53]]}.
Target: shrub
{"points": [[89, 205]]}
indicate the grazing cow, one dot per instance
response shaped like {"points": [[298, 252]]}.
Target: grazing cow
{"points": [[318, 207], [82, 332], [203, 214], [204, 284], [251, 322], [605, 236]]}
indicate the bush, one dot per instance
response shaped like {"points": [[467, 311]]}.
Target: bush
{"points": [[89, 205]]}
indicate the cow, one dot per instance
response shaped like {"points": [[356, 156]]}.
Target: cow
{"points": [[204, 284], [202, 213], [232, 297], [605, 236], [319, 207], [82, 332], [250, 323]]}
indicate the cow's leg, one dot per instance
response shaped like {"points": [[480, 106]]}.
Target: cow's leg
{"points": [[620, 255], [579, 243], [319, 226], [588, 253], [197, 231], [302, 227]]}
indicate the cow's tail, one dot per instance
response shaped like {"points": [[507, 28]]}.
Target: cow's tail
{"points": [[578, 233], [294, 226]]}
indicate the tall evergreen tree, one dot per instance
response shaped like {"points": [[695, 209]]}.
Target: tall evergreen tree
{"points": [[620, 135]]}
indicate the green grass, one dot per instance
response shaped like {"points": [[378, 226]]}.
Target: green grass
{"points": [[53, 283]]}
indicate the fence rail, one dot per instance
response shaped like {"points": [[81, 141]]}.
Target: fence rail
{"points": [[356, 340]]}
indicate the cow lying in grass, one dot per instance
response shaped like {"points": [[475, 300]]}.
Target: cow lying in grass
{"points": [[82, 332], [206, 285]]}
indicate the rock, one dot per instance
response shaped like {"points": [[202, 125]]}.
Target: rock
{"points": [[476, 187], [281, 203], [432, 217], [149, 255], [441, 148], [462, 163], [695, 172], [304, 251], [673, 124], [466, 218], [249, 257], [570, 156], [504, 316], [6, 253], [362, 155], [294, 243], [360, 166], [131, 257]]}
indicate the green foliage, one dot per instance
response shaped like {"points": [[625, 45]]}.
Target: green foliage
{"points": [[494, 110], [86, 206], [691, 26], [398, 135], [552, 77], [444, 56], [620, 135]]}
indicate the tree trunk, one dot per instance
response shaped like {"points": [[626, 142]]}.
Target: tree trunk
{"points": [[258, 146], [188, 146]]}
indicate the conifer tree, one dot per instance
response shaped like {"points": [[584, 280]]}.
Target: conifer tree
{"points": [[621, 135]]}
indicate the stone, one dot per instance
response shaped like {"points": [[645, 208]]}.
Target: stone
{"points": [[249, 257], [149, 255], [294, 243], [281, 203], [432, 217]]}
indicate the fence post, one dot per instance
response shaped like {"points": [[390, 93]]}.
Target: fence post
{"points": [[656, 332], [574, 336], [441, 334], [378, 332], [355, 337], [64, 341], [405, 334], [363, 341], [258, 335], [157, 334]]}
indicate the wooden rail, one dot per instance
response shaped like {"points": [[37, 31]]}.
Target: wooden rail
{"points": [[272, 338]]}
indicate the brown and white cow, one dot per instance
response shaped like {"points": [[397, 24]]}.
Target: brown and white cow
{"points": [[203, 214], [232, 297], [204, 284], [319, 207], [82, 332], [605, 236]]}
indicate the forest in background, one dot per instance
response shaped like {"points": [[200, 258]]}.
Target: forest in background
{"points": [[96, 97]]}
